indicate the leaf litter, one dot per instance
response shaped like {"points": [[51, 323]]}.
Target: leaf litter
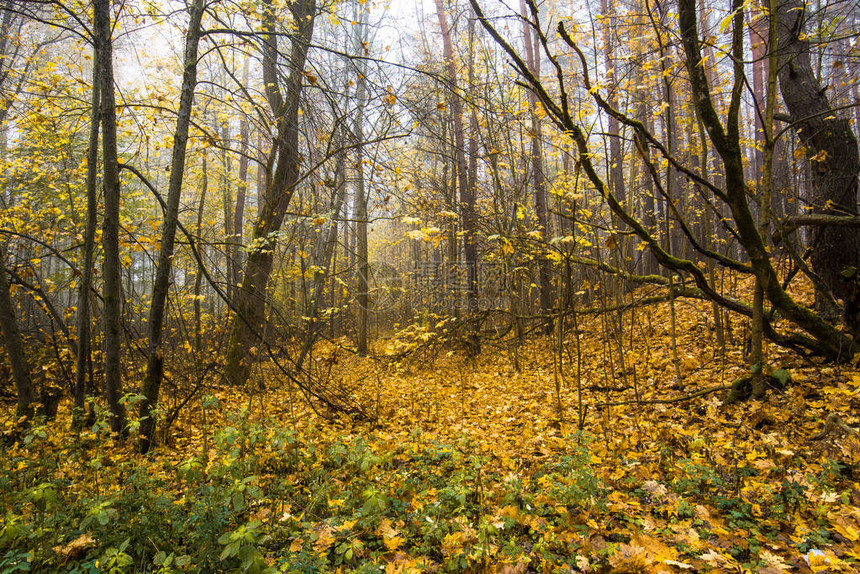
{"points": [[470, 466]]}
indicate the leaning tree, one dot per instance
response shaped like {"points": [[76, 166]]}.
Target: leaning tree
{"points": [[732, 192]]}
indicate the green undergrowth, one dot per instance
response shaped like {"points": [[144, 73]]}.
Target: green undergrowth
{"points": [[266, 498]]}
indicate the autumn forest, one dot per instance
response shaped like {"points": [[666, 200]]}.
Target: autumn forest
{"points": [[438, 286]]}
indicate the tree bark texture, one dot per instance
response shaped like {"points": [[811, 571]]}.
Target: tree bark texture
{"points": [[111, 268], [831, 147]]}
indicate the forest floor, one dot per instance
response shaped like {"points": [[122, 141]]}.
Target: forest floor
{"points": [[470, 465]]}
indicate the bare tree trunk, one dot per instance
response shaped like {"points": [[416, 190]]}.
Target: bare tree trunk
{"points": [[231, 268], [15, 349], [766, 183], [834, 160], [670, 185], [538, 178], [84, 356], [757, 34], [161, 287], [467, 195], [111, 269], [363, 288], [198, 276], [649, 203], [251, 298], [242, 192], [323, 258]]}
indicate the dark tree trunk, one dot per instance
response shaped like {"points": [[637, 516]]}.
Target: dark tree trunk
{"points": [[832, 147], [111, 268], [158, 309], [15, 348], [250, 301], [84, 356], [467, 195]]}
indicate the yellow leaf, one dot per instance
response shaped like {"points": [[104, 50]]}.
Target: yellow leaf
{"points": [[324, 541], [392, 543], [346, 526], [847, 531], [452, 543]]}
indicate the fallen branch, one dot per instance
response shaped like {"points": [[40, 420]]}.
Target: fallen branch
{"points": [[832, 423], [793, 223], [695, 395]]}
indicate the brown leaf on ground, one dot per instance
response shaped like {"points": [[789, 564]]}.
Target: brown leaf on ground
{"points": [[76, 548]]}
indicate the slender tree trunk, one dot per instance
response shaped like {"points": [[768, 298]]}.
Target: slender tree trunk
{"points": [[242, 192], [231, 268], [111, 269], [161, 287], [449, 190], [532, 45], [758, 44], [467, 196], [363, 288], [649, 203], [15, 348], [766, 190], [670, 185], [471, 247], [323, 256], [198, 276], [84, 356]]}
